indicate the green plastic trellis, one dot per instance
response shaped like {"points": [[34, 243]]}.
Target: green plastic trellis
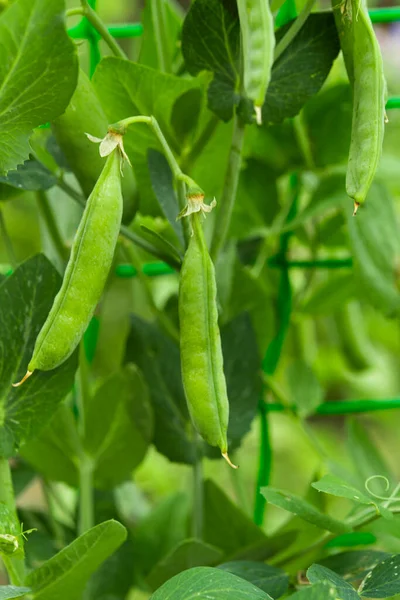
{"points": [[287, 12]]}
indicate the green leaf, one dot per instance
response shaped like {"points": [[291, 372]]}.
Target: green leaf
{"points": [[171, 11], [114, 578], [317, 591], [256, 202], [32, 175], [185, 114], [216, 50], [25, 301], [187, 554], [206, 582], [127, 88], [11, 591], [65, 575], [330, 484], [303, 509], [305, 389], [302, 68], [354, 565], [344, 590], [242, 373], [374, 240], [35, 49], [160, 532], [271, 580], [158, 358], [53, 453], [118, 433], [383, 581], [264, 549], [162, 182], [225, 526], [328, 116]]}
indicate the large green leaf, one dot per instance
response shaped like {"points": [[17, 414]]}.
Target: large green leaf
{"points": [[225, 526], [25, 300], [206, 582], [302, 68], [160, 532], [65, 575], [127, 89], [296, 76], [186, 555], [305, 389], [354, 565], [32, 175], [297, 506], [374, 240], [216, 50], [11, 591], [272, 580], [383, 581], [318, 591], [344, 590], [331, 484], [117, 433], [158, 358], [35, 49]]}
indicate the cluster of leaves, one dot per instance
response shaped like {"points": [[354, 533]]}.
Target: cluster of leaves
{"points": [[136, 398]]}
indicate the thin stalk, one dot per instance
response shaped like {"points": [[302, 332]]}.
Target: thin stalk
{"points": [[124, 231], [303, 141], [264, 465], [160, 31], [102, 30], [181, 190], [74, 12], [15, 565], [198, 491], [86, 504], [51, 225], [86, 465], [228, 198], [294, 30], [7, 241], [164, 320]]}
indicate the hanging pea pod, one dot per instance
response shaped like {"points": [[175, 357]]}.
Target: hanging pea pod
{"points": [[86, 273], [364, 65], [258, 43], [200, 341], [85, 114]]}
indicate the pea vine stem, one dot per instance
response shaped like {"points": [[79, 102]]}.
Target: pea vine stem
{"points": [[289, 36], [225, 210], [97, 23], [15, 565]]}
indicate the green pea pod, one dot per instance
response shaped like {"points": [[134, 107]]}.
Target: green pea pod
{"points": [[364, 64], [86, 273], [258, 43], [85, 114], [200, 343]]}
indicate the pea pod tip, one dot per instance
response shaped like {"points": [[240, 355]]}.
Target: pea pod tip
{"points": [[356, 206], [258, 111], [25, 377], [228, 460]]}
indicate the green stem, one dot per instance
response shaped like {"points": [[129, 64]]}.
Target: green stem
{"points": [[166, 323], [303, 141], [198, 491], [264, 465], [15, 565], [86, 504], [160, 31], [181, 190], [74, 12], [51, 225], [102, 30], [226, 205], [124, 231], [7, 241], [294, 30]]}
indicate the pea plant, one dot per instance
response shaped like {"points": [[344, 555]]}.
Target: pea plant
{"points": [[198, 275]]}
